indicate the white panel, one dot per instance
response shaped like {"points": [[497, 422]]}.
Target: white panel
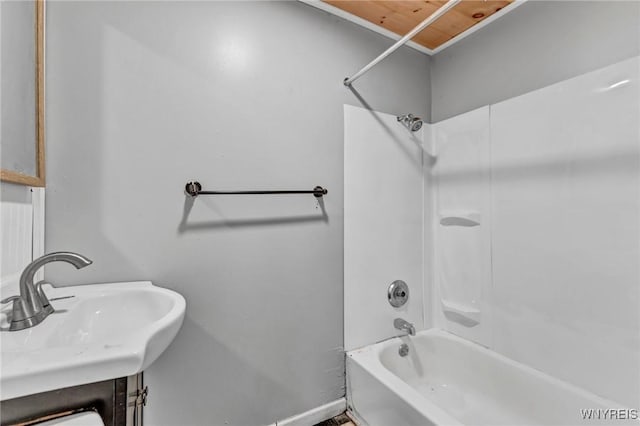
{"points": [[429, 161], [566, 231], [382, 224], [15, 223], [37, 228], [462, 226], [21, 233]]}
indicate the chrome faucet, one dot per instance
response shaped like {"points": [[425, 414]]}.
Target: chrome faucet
{"points": [[32, 306], [403, 325]]}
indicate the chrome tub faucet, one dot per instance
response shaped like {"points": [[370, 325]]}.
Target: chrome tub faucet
{"points": [[405, 326], [32, 306]]}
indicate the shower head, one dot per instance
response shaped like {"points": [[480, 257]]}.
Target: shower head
{"points": [[411, 122]]}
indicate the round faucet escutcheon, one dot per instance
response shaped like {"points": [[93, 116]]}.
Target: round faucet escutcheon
{"points": [[398, 293]]}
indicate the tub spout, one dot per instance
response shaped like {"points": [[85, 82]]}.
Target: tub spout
{"points": [[405, 326]]}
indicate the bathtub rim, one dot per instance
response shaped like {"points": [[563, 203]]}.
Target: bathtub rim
{"points": [[368, 358]]}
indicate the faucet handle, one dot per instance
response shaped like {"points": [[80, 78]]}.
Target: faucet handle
{"points": [[19, 315], [46, 305], [18, 311], [9, 299]]}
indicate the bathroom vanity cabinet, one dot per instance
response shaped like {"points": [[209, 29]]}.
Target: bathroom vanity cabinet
{"points": [[119, 402]]}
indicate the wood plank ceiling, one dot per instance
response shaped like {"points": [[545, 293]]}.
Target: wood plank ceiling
{"points": [[401, 16]]}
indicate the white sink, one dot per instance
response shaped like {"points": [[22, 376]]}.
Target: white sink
{"points": [[104, 331]]}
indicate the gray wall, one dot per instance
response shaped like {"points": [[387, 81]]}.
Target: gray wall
{"points": [[142, 97], [538, 44]]}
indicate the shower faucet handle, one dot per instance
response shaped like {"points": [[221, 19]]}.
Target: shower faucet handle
{"points": [[398, 293]]}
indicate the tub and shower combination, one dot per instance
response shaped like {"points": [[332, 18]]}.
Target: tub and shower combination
{"points": [[515, 227], [447, 380]]}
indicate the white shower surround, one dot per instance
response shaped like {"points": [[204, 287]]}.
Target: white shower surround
{"points": [[558, 212], [383, 209]]}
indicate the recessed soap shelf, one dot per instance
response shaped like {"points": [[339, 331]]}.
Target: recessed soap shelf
{"points": [[464, 218]]}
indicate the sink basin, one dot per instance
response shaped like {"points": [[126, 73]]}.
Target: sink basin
{"points": [[98, 332]]}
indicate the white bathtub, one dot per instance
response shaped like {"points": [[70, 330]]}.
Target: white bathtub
{"points": [[448, 380]]}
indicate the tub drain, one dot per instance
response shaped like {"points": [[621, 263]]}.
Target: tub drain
{"points": [[404, 350]]}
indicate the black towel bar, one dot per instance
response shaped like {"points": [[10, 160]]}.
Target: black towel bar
{"points": [[194, 189]]}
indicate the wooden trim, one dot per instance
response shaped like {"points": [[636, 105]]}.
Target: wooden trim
{"points": [[39, 179], [20, 178], [40, 92]]}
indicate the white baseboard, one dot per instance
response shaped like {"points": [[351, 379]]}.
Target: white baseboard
{"points": [[315, 415]]}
